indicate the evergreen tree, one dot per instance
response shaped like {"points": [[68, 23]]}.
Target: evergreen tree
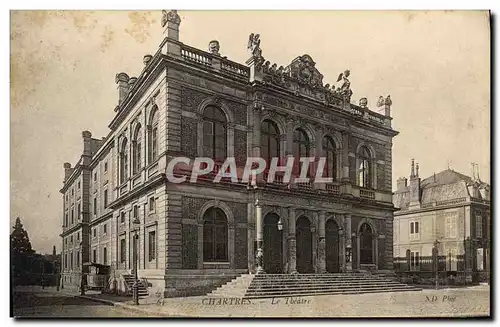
{"points": [[21, 252]]}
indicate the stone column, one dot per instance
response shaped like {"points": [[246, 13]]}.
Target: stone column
{"points": [[348, 242], [260, 237], [321, 243], [292, 250]]}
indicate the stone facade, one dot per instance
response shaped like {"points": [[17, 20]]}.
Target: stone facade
{"points": [[322, 224]]}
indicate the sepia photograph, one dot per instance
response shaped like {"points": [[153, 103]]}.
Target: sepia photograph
{"points": [[250, 164]]}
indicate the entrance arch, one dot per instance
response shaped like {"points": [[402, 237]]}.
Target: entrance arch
{"points": [[304, 245], [273, 249], [366, 247], [332, 246]]}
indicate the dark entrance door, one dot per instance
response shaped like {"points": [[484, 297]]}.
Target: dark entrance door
{"points": [[332, 246], [366, 244], [273, 249], [304, 245]]}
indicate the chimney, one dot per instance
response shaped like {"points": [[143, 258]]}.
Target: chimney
{"points": [[147, 59], [54, 251], [401, 183], [414, 186], [122, 80], [87, 148], [170, 22], [67, 170]]}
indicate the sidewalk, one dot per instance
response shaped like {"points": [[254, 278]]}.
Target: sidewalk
{"points": [[471, 301]]}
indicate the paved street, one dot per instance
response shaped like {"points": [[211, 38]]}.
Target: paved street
{"points": [[34, 302], [459, 302]]}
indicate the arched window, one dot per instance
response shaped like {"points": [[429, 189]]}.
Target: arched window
{"points": [[214, 235], [269, 141], [123, 162], [300, 147], [331, 157], [153, 136], [364, 169], [366, 244], [136, 150], [214, 134]]}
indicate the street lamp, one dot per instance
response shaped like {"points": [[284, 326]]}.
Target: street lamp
{"points": [[280, 225], [436, 256], [135, 287]]}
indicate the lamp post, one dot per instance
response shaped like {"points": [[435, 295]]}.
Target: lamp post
{"points": [[135, 287], [436, 256]]}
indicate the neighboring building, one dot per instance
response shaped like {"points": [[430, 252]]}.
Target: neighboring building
{"points": [[188, 102], [449, 207]]}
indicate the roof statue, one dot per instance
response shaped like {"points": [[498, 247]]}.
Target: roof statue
{"points": [[345, 88], [384, 102], [363, 102], [254, 45], [170, 16], [214, 47]]}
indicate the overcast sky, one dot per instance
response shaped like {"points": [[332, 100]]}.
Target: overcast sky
{"points": [[435, 66]]}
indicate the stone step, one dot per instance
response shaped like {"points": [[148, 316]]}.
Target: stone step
{"points": [[272, 287], [332, 292], [309, 281], [316, 287]]}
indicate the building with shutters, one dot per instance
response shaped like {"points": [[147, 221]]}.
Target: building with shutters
{"points": [[192, 236], [449, 207]]}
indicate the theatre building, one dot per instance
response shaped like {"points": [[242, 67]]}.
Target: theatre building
{"points": [[192, 236]]}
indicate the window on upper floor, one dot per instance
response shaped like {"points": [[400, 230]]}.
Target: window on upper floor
{"points": [[123, 162], [105, 229], [450, 226], [105, 198], [105, 256], [153, 136], [136, 150], [94, 255], [214, 134], [122, 217], [72, 192], [79, 185], [414, 230], [152, 204], [269, 141], [364, 172], [95, 206], [66, 221], [95, 176], [94, 232], [135, 211], [106, 167], [301, 148], [329, 152], [72, 216], [78, 236], [152, 245], [123, 250], [71, 239], [479, 227], [79, 212]]}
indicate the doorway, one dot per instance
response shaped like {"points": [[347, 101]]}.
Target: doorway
{"points": [[304, 245]]}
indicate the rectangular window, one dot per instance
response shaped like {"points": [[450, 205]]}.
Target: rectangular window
{"points": [[78, 236], [106, 167], [136, 211], [72, 216], [152, 245], [79, 185], [479, 227], [71, 239], [71, 260], [78, 258], [95, 206], [414, 260], [123, 250], [66, 220], [95, 176], [94, 255], [72, 192], [65, 261], [451, 226], [105, 198], [79, 212], [105, 256], [105, 229], [94, 233], [122, 217], [152, 204], [414, 230]]}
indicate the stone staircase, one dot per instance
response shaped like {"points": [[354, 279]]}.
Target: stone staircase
{"points": [[281, 285], [129, 280]]}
